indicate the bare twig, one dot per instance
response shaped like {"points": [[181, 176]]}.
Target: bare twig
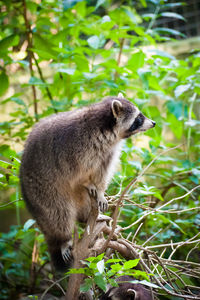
{"points": [[33, 271], [136, 232], [159, 209], [10, 203], [116, 212], [52, 285], [42, 78], [119, 56], [30, 57]]}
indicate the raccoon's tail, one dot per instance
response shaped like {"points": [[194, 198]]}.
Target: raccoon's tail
{"points": [[61, 254]]}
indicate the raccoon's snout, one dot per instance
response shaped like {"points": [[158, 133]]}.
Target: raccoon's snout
{"points": [[148, 123]]}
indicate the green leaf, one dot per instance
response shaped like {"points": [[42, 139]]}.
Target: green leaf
{"points": [[16, 100], [99, 3], [94, 42], [69, 71], [36, 81], [130, 264], [196, 172], [175, 107], [86, 285], [77, 271], [147, 283], [95, 259], [192, 123], [169, 31], [44, 47], [100, 281], [143, 2], [173, 5], [160, 53], [100, 266], [179, 90], [9, 41], [116, 267], [172, 15], [6, 151], [132, 15], [28, 224], [4, 83], [194, 179], [82, 63], [5, 164], [136, 61], [81, 8], [158, 195], [139, 274], [175, 125], [136, 165], [113, 260]]}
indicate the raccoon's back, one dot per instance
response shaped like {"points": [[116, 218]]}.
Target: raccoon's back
{"points": [[46, 144], [67, 144]]}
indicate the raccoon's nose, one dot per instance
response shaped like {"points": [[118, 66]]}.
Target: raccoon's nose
{"points": [[153, 124]]}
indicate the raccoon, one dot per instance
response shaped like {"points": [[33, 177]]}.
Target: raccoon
{"points": [[68, 160], [127, 290]]}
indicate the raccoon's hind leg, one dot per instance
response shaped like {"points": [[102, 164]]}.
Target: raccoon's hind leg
{"points": [[61, 253], [57, 225]]}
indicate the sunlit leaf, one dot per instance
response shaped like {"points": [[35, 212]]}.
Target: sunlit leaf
{"points": [[172, 15], [180, 89], [100, 266], [94, 42], [28, 224], [130, 264], [99, 3], [164, 30]]}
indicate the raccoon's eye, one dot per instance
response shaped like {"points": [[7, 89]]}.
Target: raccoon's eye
{"points": [[137, 123]]}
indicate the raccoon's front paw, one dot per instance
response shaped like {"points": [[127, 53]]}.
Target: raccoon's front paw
{"points": [[92, 190], [102, 202]]}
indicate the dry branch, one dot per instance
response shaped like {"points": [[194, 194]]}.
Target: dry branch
{"points": [[150, 261]]}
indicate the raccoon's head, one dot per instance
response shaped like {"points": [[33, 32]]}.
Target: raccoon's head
{"points": [[127, 290], [129, 120]]}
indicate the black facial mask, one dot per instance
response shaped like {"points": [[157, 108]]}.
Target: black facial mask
{"points": [[137, 123]]}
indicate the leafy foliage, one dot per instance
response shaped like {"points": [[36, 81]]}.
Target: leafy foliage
{"points": [[101, 272], [56, 57]]}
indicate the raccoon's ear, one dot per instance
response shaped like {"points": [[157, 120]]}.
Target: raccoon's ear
{"points": [[112, 292], [116, 108], [120, 96], [132, 292]]}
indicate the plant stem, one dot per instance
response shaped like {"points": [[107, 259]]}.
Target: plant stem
{"points": [[189, 119], [30, 57], [154, 17], [119, 56], [17, 207], [42, 78]]}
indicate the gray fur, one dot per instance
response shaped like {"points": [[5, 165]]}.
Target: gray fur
{"points": [[68, 158]]}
